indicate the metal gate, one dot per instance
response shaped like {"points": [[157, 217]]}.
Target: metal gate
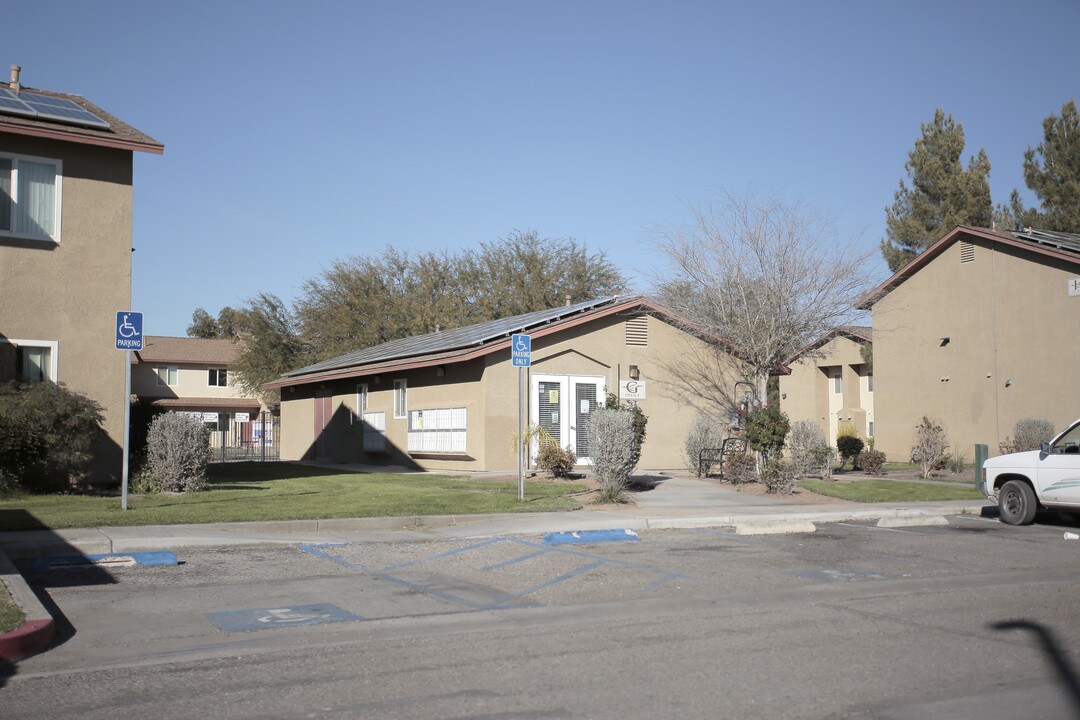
{"points": [[257, 439]]}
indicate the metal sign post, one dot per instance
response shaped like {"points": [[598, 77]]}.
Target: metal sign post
{"points": [[129, 336], [521, 356]]}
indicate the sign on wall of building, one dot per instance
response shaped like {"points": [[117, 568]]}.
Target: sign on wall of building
{"points": [[631, 389]]}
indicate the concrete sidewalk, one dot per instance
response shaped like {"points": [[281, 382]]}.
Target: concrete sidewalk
{"points": [[674, 501]]}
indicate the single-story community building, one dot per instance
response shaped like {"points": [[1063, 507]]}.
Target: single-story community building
{"points": [[448, 400]]}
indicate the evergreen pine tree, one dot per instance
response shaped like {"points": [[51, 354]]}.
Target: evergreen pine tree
{"points": [[1052, 172]]}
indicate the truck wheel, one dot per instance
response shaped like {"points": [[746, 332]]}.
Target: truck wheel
{"points": [[1017, 503]]}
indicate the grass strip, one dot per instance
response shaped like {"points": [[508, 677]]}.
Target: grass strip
{"points": [[870, 491], [11, 615], [241, 492]]}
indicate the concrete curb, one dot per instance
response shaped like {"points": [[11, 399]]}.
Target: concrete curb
{"points": [[38, 630]]}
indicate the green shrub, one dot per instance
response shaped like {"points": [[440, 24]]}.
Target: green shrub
{"points": [[956, 462], [67, 424], [177, 453], [21, 449], [766, 428], [849, 447], [558, 461], [779, 477], [614, 450], [704, 432], [871, 461], [739, 469]]}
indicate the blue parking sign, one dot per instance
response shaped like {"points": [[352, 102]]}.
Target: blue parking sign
{"points": [[128, 330], [521, 350]]}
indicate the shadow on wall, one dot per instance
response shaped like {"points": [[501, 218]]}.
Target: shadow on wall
{"points": [[345, 438]]}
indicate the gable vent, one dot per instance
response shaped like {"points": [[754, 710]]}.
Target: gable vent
{"points": [[967, 251], [637, 331]]}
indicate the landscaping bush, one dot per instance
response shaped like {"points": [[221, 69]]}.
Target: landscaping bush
{"points": [[67, 425], [21, 449], [956, 463], [766, 428], [871, 461], [779, 477], [177, 453], [704, 432], [639, 421], [558, 461], [614, 450], [849, 447], [931, 442], [739, 469], [1028, 434], [809, 453]]}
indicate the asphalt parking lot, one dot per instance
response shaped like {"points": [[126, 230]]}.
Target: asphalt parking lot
{"points": [[861, 596]]}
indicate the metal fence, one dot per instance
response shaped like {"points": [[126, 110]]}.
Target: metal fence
{"points": [[257, 439]]}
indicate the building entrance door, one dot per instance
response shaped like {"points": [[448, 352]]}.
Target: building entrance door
{"points": [[562, 406]]}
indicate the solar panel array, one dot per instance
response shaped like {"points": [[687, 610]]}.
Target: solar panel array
{"points": [[44, 107], [447, 340]]}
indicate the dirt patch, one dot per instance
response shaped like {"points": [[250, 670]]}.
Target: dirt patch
{"points": [[798, 495]]}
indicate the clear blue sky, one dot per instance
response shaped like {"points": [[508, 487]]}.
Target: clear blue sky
{"points": [[299, 133]]}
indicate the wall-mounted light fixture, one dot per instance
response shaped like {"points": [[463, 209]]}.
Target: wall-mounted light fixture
{"points": [[944, 342], [376, 379], [439, 371], [1008, 382], [634, 372]]}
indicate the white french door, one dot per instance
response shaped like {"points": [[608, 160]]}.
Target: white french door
{"points": [[562, 405]]}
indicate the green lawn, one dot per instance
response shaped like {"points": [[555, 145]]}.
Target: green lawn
{"points": [[280, 491], [11, 615], [889, 491]]}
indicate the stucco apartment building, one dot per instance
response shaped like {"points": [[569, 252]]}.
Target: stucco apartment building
{"points": [[66, 174], [191, 375], [830, 383], [980, 330], [449, 400]]}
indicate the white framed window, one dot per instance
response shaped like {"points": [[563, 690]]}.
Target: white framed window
{"points": [[438, 431], [217, 377], [837, 380], [167, 375], [401, 399], [870, 428], [361, 401], [35, 360], [870, 381], [30, 197]]}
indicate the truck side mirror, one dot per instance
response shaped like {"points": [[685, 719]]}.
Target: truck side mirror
{"points": [[1045, 447]]}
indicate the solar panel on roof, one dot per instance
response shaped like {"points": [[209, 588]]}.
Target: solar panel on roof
{"points": [[32, 105]]}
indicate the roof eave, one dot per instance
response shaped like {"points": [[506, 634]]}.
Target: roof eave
{"points": [[101, 141]]}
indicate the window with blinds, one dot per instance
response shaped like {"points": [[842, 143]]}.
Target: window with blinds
{"points": [[583, 409], [550, 409], [438, 431], [637, 331]]}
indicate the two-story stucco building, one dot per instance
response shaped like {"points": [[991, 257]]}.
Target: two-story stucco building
{"points": [[66, 174]]}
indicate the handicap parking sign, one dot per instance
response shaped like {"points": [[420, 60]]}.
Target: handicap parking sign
{"points": [[129, 330], [521, 350]]}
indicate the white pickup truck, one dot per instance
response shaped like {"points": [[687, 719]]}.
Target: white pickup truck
{"points": [[1022, 483]]}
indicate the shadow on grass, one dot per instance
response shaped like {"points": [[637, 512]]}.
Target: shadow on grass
{"points": [[255, 472]]}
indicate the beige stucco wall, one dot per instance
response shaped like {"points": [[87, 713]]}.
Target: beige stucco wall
{"points": [[69, 292], [488, 388], [805, 394], [1012, 349], [192, 381]]}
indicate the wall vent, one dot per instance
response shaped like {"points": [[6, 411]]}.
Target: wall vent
{"points": [[637, 331], [967, 251]]}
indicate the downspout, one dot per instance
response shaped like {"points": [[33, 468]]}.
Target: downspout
{"points": [[993, 321]]}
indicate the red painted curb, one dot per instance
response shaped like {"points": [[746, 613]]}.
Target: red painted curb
{"points": [[30, 638]]}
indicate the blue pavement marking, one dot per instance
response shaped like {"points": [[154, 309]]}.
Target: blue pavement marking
{"points": [[591, 562], [105, 560], [590, 536], [279, 617]]}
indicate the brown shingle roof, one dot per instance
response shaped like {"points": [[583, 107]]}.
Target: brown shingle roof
{"points": [[119, 134], [194, 351]]}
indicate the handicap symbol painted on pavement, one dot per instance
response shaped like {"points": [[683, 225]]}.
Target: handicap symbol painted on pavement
{"points": [[292, 616]]}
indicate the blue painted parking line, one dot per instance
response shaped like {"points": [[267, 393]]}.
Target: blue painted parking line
{"points": [[448, 553], [515, 561], [105, 560], [502, 602], [279, 617], [590, 536]]}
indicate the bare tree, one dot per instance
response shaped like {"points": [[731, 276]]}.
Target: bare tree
{"points": [[763, 278]]}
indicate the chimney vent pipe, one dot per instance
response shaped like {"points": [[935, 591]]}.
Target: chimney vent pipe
{"points": [[14, 84]]}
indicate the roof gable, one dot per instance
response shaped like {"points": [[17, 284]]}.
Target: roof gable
{"points": [[194, 351], [1059, 245]]}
